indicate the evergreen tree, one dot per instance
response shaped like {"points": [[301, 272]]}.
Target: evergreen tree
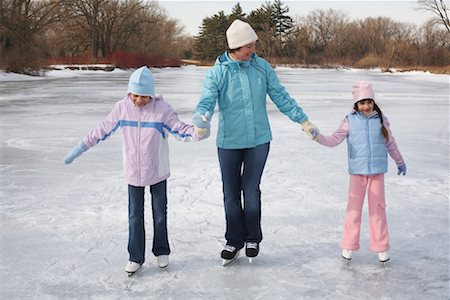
{"points": [[236, 13], [211, 40], [261, 21], [262, 17], [283, 23]]}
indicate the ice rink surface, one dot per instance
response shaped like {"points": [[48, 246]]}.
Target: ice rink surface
{"points": [[64, 227]]}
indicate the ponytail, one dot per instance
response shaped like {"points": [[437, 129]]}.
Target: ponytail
{"points": [[380, 114]]}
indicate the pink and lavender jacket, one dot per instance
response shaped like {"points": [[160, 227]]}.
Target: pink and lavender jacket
{"points": [[145, 132]]}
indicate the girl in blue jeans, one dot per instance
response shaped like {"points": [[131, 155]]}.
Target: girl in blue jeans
{"points": [[146, 121]]}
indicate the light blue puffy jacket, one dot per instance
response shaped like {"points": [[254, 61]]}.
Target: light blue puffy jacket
{"points": [[367, 149], [240, 89]]}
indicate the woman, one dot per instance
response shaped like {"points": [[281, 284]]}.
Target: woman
{"points": [[239, 83]]}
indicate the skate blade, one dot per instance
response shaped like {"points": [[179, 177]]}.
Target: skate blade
{"points": [[250, 260], [346, 263], [132, 273], [226, 262]]}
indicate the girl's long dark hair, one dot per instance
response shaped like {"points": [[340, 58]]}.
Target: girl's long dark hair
{"points": [[384, 131]]}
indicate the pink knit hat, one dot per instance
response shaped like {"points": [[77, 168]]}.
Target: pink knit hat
{"points": [[362, 90]]}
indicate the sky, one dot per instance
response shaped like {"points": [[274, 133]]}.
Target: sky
{"points": [[191, 13]]}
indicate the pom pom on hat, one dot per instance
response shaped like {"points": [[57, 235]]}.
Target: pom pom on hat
{"points": [[240, 34], [142, 82], [362, 90]]}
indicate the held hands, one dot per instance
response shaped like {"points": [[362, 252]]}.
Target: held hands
{"points": [[202, 124], [314, 133], [75, 152], [401, 170], [310, 129]]}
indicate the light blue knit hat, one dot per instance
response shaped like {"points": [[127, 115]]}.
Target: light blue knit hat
{"points": [[142, 82]]}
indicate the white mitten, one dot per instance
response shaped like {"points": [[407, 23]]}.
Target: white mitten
{"points": [[201, 132]]}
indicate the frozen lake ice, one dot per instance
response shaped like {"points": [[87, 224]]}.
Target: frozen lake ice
{"points": [[64, 228]]}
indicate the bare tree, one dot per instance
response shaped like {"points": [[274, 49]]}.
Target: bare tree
{"points": [[23, 24], [159, 34], [324, 26], [300, 43], [88, 16], [439, 8], [373, 34], [121, 20], [435, 46]]}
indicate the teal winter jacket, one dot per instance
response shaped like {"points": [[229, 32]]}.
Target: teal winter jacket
{"points": [[240, 89]]}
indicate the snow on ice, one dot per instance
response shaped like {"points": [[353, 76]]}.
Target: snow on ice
{"points": [[64, 228]]}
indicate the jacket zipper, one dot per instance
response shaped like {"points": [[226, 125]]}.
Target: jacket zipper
{"points": [[138, 148], [369, 160]]}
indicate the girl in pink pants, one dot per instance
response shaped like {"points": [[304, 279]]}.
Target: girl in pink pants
{"points": [[369, 141]]}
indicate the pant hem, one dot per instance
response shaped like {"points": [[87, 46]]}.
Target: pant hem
{"points": [[353, 248], [382, 249]]}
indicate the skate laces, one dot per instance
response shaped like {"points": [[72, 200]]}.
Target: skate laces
{"points": [[229, 248], [251, 245]]}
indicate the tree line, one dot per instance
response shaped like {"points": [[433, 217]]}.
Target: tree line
{"points": [[32, 31], [328, 37]]}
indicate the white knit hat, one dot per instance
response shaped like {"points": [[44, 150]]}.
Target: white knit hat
{"points": [[240, 34]]}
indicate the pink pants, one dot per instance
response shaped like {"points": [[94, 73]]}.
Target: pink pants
{"points": [[379, 239]]}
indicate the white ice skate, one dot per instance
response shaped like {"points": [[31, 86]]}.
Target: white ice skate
{"points": [[163, 260], [132, 267], [383, 256], [347, 254]]}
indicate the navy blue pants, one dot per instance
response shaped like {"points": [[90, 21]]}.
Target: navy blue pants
{"points": [[241, 175], [136, 228]]}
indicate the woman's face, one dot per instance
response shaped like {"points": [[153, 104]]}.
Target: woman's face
{"points": [[139, 100], [365, 106], [245, 52]]}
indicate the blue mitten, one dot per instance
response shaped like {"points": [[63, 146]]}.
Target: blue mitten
{"points": [[75, 152], [401, 169], [201, 121], [202, 124]]}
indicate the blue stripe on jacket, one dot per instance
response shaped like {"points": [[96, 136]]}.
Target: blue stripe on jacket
{"points": [[156, 125]]}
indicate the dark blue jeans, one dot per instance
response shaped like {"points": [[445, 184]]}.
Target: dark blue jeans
{"points": [[136, 228], [241, 174]]}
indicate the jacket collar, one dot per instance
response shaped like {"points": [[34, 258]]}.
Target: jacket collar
{"points": [[373, 114], [147, 106], [226, 60]]}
